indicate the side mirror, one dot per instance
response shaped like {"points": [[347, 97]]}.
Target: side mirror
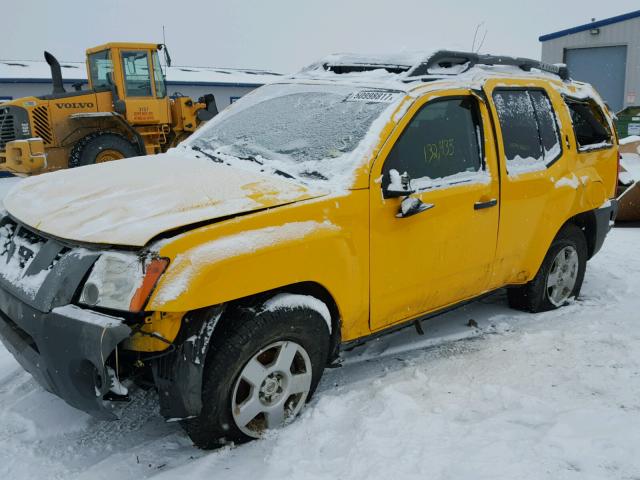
{"points": [[399, 185], [411, 205]]}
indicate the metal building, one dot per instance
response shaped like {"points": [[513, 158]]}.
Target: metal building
{"points": [[605, 53], [28, 78]]}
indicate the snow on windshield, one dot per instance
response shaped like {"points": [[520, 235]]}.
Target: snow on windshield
{"points": [[308, 132]]}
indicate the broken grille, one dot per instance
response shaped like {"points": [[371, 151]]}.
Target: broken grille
{"points": [[19, 249]]}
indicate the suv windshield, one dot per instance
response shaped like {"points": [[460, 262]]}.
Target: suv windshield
{"points": [[303, 131]]}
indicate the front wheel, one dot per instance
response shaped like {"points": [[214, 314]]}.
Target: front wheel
{"points": [[560, 276], [261, 369], [101, 147]]}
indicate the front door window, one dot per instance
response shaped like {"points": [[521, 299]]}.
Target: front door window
{"points": [[440, 144]]}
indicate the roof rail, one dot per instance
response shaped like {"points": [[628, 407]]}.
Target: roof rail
{"points": [[451, 58]]}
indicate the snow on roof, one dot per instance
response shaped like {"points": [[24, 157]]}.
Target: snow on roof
{"points": [[378, 72], [18, 71], [407, 59]]}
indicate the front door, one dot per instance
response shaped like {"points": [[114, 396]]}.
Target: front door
{"points": [[444, 254]]}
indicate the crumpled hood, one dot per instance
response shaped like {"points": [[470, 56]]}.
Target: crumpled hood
{"points": [[128, 202]]}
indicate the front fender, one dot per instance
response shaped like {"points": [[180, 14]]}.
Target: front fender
{"points": [[324, 241]]}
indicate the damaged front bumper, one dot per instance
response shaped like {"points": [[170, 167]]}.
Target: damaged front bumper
{"points": [[65, 350]]}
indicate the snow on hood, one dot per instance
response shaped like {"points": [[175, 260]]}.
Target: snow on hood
{"points": [[128, 202]]}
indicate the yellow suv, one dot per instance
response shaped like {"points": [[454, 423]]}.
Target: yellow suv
{"points": [[355, 197]]}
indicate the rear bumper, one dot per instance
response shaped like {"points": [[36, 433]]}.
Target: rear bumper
{"points": [[605, 216], [65, 350], [23, 156]]}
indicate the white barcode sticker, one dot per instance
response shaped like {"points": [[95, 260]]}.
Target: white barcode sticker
{"points": [[376, 96]]}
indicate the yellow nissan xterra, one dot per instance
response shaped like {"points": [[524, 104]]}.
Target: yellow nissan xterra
{"points": [[350, 199]]}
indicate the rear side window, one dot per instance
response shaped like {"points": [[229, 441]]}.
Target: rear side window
{"points": [[589, 124], [529, 129], [442, 140]]}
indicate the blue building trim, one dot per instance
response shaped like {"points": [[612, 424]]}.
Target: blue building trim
{"points": [[589, 26], [168, 82]]}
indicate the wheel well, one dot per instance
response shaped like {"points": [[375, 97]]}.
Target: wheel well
{"points": [[303, 288], [586, 221]]}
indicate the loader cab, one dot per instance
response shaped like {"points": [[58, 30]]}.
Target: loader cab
{"points": [[132, 71]]}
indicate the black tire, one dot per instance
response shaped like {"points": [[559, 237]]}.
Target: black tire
{"points": [[242, 335], [87, 149], [534, 296]]}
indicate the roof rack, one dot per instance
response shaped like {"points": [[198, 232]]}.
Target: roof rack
{"points": [[430, 66], [364, 67], [450, 58]]}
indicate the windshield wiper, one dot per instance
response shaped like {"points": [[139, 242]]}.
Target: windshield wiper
{"points": [[208, 155], [277, 171], [314, 174]]}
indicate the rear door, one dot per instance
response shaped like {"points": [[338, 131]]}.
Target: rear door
{"points": [[444, 254], [537, 183]]}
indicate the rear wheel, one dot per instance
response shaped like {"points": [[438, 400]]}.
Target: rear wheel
{"points": [[101, 147], [261, 369], [560, 276]]}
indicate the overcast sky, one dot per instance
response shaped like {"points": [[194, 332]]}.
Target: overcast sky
{"points": [[284, 35]]}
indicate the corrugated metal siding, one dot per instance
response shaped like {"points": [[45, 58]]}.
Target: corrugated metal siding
{"points": [[622, 33], [602, 67]]}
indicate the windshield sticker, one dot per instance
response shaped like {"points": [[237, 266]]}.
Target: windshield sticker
{"points": [[374, 96]]}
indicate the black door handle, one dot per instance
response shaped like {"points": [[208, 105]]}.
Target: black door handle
{"points": [[488, 204]]}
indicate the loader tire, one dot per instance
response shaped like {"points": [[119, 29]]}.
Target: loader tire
{"points": [[249, 335], [101, 147], [560, 276]]}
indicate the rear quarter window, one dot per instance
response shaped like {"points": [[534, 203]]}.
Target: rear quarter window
{"points": [[589, 124]]}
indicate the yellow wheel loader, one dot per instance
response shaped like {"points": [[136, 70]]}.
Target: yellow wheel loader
{"points": [[125, 112]]}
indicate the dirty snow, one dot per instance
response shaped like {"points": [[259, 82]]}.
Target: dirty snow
{"points": [[547, 396], [290, 300], [629, 139], [630, 162], [128, 203]]}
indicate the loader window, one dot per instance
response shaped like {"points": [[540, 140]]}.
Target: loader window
{"points": [[158, 76], [137, 74], [100, 65]]}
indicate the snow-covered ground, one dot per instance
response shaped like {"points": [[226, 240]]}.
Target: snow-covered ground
{"points": [[547, 396]]}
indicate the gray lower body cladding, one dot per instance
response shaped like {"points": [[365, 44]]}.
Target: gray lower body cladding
{"points": [[605, 216], [65, 353]]}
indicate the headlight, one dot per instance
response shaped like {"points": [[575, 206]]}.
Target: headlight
{"points": [[122, 281]]}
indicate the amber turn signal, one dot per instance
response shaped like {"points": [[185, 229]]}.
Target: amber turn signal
{"points": [[153, 270]]}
